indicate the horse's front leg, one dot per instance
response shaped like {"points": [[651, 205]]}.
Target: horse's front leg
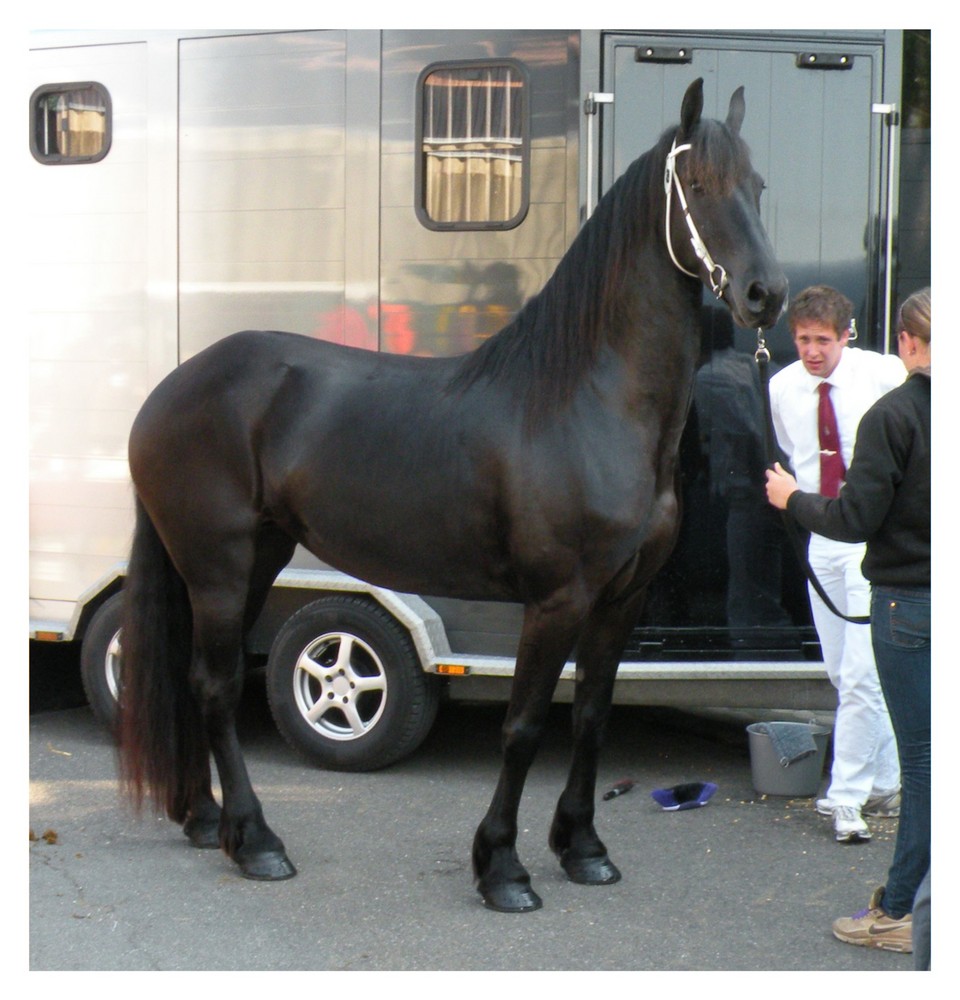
{"points": [[573, 837], [501, 879], [217, 678]]}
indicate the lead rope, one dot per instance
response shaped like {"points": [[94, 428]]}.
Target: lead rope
{"points": [[762, 357]]}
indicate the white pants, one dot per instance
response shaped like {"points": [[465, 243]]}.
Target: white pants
{"points": [[864, 747]]}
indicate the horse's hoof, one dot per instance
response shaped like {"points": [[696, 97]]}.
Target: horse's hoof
{"points": [[510, 897], [268, 866], [202, 833], [591, 871]]}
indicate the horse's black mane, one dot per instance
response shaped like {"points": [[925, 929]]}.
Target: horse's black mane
{"points": [[557, 334]]}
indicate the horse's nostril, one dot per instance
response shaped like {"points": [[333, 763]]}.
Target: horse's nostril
{"points": [[763, 298], [763, 302]]}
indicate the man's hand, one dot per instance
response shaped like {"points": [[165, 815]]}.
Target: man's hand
{"points": [[780, 484]]}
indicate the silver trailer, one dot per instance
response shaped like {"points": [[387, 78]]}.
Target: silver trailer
{"points": [[407, 191]]}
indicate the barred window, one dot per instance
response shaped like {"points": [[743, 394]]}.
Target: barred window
{"points": [[70, 123], [474, 146]]}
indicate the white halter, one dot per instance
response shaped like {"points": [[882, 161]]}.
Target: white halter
{"points": [[717, 275]]}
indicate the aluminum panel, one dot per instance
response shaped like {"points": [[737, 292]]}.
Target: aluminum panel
{"points": [[246, 235], [89, 291], [304, 298], [263, 183]]}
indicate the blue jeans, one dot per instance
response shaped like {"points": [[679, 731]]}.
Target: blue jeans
{"points": [[921, 927], [900, 623]]}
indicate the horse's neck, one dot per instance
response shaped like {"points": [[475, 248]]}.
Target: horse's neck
{"points": [[616, 319], [652, 313], [654, 334]]}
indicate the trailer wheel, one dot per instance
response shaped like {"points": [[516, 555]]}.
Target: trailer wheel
{"points": [[100, 661], [345, 685]]}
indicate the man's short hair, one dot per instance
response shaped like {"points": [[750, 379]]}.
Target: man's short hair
{"points": [[823, 305]]}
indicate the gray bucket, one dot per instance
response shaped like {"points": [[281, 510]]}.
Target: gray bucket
{"points": [[770, 777]]}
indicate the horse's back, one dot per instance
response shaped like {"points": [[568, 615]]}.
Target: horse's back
{"points": [[233, 385], [365, 458], [195, 438]]}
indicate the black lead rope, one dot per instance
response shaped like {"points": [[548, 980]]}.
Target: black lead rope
{"points": [[773, 455]]}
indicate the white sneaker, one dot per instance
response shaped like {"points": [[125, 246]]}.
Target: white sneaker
{"points": [[883, 805], [849, 826], [825, 807]]}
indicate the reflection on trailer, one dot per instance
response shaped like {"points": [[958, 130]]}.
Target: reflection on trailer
{"points": [[407, 191]]}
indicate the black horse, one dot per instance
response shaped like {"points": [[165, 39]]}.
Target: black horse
{"points": [[538, 469]]}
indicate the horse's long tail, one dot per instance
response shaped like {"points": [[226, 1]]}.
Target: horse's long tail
{"points": [[163, 750]]}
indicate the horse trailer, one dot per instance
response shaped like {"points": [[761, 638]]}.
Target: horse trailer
{"points": [[407, 192]]}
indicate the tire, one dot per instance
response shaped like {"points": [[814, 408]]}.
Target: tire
{"points": [[346, 688], [100, 661]]}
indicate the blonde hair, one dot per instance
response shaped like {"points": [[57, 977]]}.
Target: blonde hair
{"points": [[914, 315]]}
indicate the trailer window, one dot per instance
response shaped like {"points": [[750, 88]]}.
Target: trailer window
{"points": [[70, 123], [474, 146]]}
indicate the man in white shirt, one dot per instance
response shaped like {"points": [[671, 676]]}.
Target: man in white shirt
{"points": [[865, 778]]}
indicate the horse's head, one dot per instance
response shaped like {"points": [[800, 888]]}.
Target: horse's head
{"points": [[713, 227]]}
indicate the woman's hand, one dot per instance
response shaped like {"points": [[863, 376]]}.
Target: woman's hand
{"points": [[780, 484]]}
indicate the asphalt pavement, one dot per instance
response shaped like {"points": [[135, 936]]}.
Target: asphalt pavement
{"points": [[748, 882]]}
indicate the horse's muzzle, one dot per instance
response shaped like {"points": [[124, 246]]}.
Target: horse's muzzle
{"points": [[763, 303]]}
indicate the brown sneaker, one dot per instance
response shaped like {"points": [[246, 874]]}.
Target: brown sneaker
{"points": [[872, 928]]}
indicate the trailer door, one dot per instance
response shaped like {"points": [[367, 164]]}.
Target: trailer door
{"points": [[811, 131], [816, 140]]}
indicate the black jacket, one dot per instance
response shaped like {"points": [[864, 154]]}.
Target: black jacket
{"points": [[886, 498]]}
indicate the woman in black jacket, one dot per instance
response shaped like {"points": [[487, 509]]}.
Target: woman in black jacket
{"points": [[885, 501]]}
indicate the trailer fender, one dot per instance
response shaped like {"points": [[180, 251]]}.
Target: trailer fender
{"points": [[425, 626]]}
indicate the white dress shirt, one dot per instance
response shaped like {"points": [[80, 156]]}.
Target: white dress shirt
{"points": [[858, 381]]}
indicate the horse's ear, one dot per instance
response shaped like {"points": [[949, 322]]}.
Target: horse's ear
{"points": [[737, 108], [692, 106]]}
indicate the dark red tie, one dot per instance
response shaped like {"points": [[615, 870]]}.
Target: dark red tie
{"points": [[832, 469]]}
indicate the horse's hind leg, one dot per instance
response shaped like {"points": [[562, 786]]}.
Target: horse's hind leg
{"points": [[273, 552], [202, 824], [501, 879], [222, 610], [573, 837]]}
